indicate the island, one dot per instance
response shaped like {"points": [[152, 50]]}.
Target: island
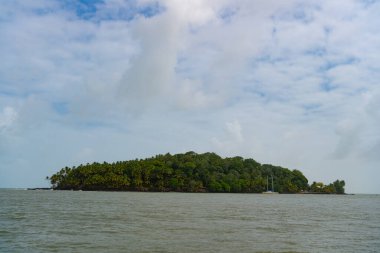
{"points": [[188, 172]]}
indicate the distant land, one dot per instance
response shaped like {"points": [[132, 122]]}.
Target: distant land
{"points": [[188, 172]]}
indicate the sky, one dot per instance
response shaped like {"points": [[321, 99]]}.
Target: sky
{"points": [[290, 83]]}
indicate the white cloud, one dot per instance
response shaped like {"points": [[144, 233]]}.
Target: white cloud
{"points": [[231, 138], [289, 83], [7, 117]]}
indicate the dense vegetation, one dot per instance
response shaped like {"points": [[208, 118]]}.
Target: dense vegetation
{"points": [[189, 172]]}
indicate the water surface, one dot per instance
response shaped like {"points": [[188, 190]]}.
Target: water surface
{"points": [[70, 221]]}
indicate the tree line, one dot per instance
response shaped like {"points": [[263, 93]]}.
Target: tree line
{"points": [[189, 172]]}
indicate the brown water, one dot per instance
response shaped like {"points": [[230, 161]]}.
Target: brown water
{"points": [[67, 221]]}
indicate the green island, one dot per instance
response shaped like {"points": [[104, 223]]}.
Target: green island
{"points": [[189, 172]]}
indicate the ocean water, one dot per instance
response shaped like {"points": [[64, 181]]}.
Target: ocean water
{"points": [[72, 221]]}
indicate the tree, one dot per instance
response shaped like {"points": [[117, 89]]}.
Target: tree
{"points": [[339, 186], [186, 172], [317, 187]]}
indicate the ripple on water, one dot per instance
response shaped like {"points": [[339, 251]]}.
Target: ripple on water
{"points": [[56, 221]]}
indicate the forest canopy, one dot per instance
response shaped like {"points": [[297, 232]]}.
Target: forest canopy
{"points": [[189, 172]]}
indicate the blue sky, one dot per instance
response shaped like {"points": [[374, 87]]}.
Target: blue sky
{"points": [[290, 83]]}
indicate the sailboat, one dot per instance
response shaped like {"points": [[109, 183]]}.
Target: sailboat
{"points": [[272, 190]]}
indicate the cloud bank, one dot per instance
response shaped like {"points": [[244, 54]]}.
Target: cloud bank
{"points": [[289, 83]]}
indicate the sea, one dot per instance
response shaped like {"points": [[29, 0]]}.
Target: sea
{"points": [[79, 221]]}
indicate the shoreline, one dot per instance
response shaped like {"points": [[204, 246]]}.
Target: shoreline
{"points": [[283, 193]]}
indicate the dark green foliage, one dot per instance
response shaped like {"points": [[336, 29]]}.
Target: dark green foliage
{"points": [[189, 172], [335, 188], [339, 186]]}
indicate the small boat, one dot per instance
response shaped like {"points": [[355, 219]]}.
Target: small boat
{"points": [[272, 190]]}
